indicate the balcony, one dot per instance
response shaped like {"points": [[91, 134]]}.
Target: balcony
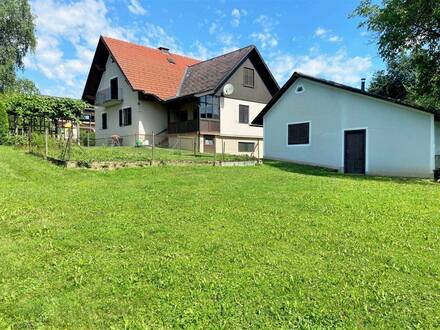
{"points": [[187, 126], [209, 126], [107, 97]]}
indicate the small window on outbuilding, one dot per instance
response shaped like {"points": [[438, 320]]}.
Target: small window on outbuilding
{"points": [[299, 89], [298, 133]]}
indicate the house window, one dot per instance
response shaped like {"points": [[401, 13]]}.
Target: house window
{"points": [[248, 77], [104, 121], [209, 107], [298, 133], [246, 146], [114, 89], [125, 117], [243, 114]]}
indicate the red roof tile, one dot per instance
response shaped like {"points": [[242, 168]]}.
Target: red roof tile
{"points": [[148, 69]]}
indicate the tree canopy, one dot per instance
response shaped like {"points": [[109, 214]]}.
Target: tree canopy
{"points": [[409, 30], [24, 86], [17, 38]]}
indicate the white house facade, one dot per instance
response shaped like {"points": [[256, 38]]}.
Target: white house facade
{"points": [[317, 122], [138, 91]]}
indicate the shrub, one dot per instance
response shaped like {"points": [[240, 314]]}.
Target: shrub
{"points": [[4, 125], [17, 140]]}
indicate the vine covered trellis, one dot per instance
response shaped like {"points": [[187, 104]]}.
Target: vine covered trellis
{"points": [[39, 113]]}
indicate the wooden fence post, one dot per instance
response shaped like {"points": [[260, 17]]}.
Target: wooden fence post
{"points": [[152, 148], [258, 150], [78, 134], [46, 144]]}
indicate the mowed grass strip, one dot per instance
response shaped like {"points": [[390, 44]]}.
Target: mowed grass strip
{"points": [[273, 246], [57, 148]]}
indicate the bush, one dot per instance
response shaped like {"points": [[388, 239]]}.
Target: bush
{"points": [[17, 140], [4, 125]]}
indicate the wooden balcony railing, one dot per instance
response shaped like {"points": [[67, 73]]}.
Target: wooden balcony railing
{"points": [[183, 126], [209, 126]]}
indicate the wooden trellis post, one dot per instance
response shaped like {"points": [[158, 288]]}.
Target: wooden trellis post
{"points": [[46, 144]]}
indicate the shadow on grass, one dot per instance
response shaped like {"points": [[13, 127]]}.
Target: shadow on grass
{"points": [[325, 172]]}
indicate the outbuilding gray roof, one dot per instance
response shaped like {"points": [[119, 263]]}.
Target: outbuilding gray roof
{"points": [[258, 120]]}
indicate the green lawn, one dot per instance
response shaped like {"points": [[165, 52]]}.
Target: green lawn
{"points": [[90, 154], [272, 246]]}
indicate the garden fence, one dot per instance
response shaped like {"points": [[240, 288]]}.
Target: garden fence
{"points": [[149, 146]]}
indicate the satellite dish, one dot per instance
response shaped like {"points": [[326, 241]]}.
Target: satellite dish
{"points": [[228, 89]]}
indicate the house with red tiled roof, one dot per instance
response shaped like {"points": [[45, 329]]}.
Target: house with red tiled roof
{"points": [[138, 91]]}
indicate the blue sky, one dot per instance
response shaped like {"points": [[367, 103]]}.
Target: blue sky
{"points": [[314, 37]]}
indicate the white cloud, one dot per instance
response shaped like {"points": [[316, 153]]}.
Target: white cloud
{"points": [[70, 25], [136, 8], [339, 67], [237, 14], [335, 38], [266, 37], [201, 51], [155, 36], [320, 32], [327, 34]]}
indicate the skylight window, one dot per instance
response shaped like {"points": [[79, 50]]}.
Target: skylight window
{"points": [[170, 60]]}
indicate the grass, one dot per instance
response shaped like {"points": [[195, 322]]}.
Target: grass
{"points": [[273, 246], [89, 154]]}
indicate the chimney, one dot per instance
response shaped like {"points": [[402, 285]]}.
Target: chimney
{"points": [[363, 84], [164, 50]]}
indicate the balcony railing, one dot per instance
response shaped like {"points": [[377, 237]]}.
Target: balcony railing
{"points": [[209, 126], [106, 97], [183, 126]]}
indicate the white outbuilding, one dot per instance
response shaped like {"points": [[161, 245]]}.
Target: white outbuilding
{"points": [[319, 122]]}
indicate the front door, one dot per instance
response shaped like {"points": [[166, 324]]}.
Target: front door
{"points": [[354, 151]]}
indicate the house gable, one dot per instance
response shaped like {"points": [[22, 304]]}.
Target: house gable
{"points": [[399, 139], [150, 71], [259, 93], [210, 76]]}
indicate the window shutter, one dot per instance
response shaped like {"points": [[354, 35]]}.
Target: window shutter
{"points": [[121, 123], [248, 77], [104, 121]]}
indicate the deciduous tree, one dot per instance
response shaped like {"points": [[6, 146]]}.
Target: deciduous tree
{"points": [[411, 28], [17, 38]]}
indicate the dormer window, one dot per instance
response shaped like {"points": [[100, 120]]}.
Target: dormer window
{"points": [[248, 77], [299, 89]]}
